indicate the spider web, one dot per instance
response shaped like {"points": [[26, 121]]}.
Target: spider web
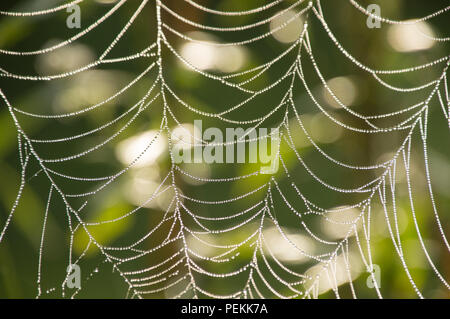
{"points": [[193, 243]]}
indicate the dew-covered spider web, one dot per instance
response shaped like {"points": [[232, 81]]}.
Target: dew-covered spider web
{"points": [[360, 197]]}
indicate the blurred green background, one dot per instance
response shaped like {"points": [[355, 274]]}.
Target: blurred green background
{"points": [[389, 47]]}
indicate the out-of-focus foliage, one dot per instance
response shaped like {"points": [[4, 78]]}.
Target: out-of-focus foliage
{"points": [[19, 253]]}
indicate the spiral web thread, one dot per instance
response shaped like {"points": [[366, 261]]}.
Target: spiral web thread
{"points": [[180, 273]]}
